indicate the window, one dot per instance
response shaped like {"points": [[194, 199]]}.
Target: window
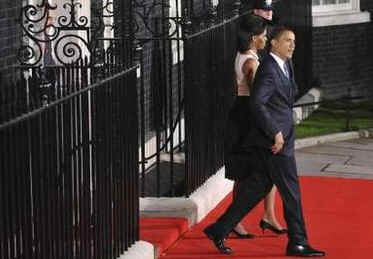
{"points": [[331, 5], [337, 12]]}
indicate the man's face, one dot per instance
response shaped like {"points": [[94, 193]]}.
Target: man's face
{"points": [[266, 14], [284, 45]]}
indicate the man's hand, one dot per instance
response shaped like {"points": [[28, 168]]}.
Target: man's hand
{"points": [[279, 143]]}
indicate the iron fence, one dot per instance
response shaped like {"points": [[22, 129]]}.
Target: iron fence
{"points": [[69, 174], [73, 133], [209, 92], [161, 115], [162, 29], [158, 37], [337, 109]]}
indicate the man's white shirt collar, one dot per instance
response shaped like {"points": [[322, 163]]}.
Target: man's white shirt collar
{"points": [[279, 61]]}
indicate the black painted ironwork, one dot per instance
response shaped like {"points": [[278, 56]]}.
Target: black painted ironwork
{"points": [[69, 174], [158, 35], [66, 116], [39, 29], [68, 128], [161, 29], [147, 13], [209, 92], [56, 37], [71, 36]]}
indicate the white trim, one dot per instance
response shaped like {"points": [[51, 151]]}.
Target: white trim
{"points": [[151, 146], [195, 208], [108, 20], [340, 19], [177, 57], [339, 14], [141, 249], [301, 113], [323, 8], [213, 191]]}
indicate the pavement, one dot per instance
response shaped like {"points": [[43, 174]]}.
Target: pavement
{"points": [[348, 159], [347, 155]]}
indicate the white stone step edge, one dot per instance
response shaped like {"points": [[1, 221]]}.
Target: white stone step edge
{"points": [[140, 250]]}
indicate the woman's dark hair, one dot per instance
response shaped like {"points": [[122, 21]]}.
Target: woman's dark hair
{"points": [[250, 25]]}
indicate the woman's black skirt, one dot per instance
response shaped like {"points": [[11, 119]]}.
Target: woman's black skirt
{"points": [[236, 158]]}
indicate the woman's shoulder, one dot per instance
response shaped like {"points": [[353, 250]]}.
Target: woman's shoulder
{"points": [[247, 56], [250, 63], [249, 60]]}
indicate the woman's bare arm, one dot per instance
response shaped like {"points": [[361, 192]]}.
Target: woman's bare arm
{"points": [[249, 70]]}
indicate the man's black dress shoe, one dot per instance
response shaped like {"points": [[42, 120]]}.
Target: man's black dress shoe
{"points": [[218, 242], [265, 225], [243, 236], [303, 251]]}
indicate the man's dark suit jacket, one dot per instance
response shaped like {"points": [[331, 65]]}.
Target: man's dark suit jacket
{"points": [[272, 99]]}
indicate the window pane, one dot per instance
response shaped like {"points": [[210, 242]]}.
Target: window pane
{"points": [[315, 2], [329, 1], [344, 1]]}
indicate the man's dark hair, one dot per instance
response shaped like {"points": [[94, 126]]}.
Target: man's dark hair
{"points": [[277, 31], [250, 25]]}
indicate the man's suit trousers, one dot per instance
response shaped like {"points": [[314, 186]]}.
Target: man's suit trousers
{"points": [[270, 169]]}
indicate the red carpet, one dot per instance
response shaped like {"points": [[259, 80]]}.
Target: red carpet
{"points": [[339, 219], [162, 232]]}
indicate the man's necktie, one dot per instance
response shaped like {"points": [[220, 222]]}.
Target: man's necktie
{"points": [[286, 70]]}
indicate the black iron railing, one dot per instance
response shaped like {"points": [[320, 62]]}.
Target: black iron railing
{"points": [[337, 108], [161, 114], [69, 174], [160, 35], [209, 92]]}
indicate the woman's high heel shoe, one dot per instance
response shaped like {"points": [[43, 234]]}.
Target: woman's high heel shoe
{"points": [[265, 225], [243, 236]]}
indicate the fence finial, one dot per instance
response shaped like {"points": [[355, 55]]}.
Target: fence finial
{"points": [[237, 7]]}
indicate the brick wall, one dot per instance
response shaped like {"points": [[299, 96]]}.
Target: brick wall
{"points": [[9, 36], [342, 58]]}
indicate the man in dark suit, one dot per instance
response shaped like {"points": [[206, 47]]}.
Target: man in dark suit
{"points": [[270, 149]]}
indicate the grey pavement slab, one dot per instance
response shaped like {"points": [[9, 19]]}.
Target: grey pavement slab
{"points": [[362, 161], [349, 159], [335, 150], [309, 163], [348, 169], [361, 143]]}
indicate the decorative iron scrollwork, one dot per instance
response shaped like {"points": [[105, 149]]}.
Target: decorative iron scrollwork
{"points": [[69, 33], [155, 20], [72, 20], [36, 31], [108, 13]]}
